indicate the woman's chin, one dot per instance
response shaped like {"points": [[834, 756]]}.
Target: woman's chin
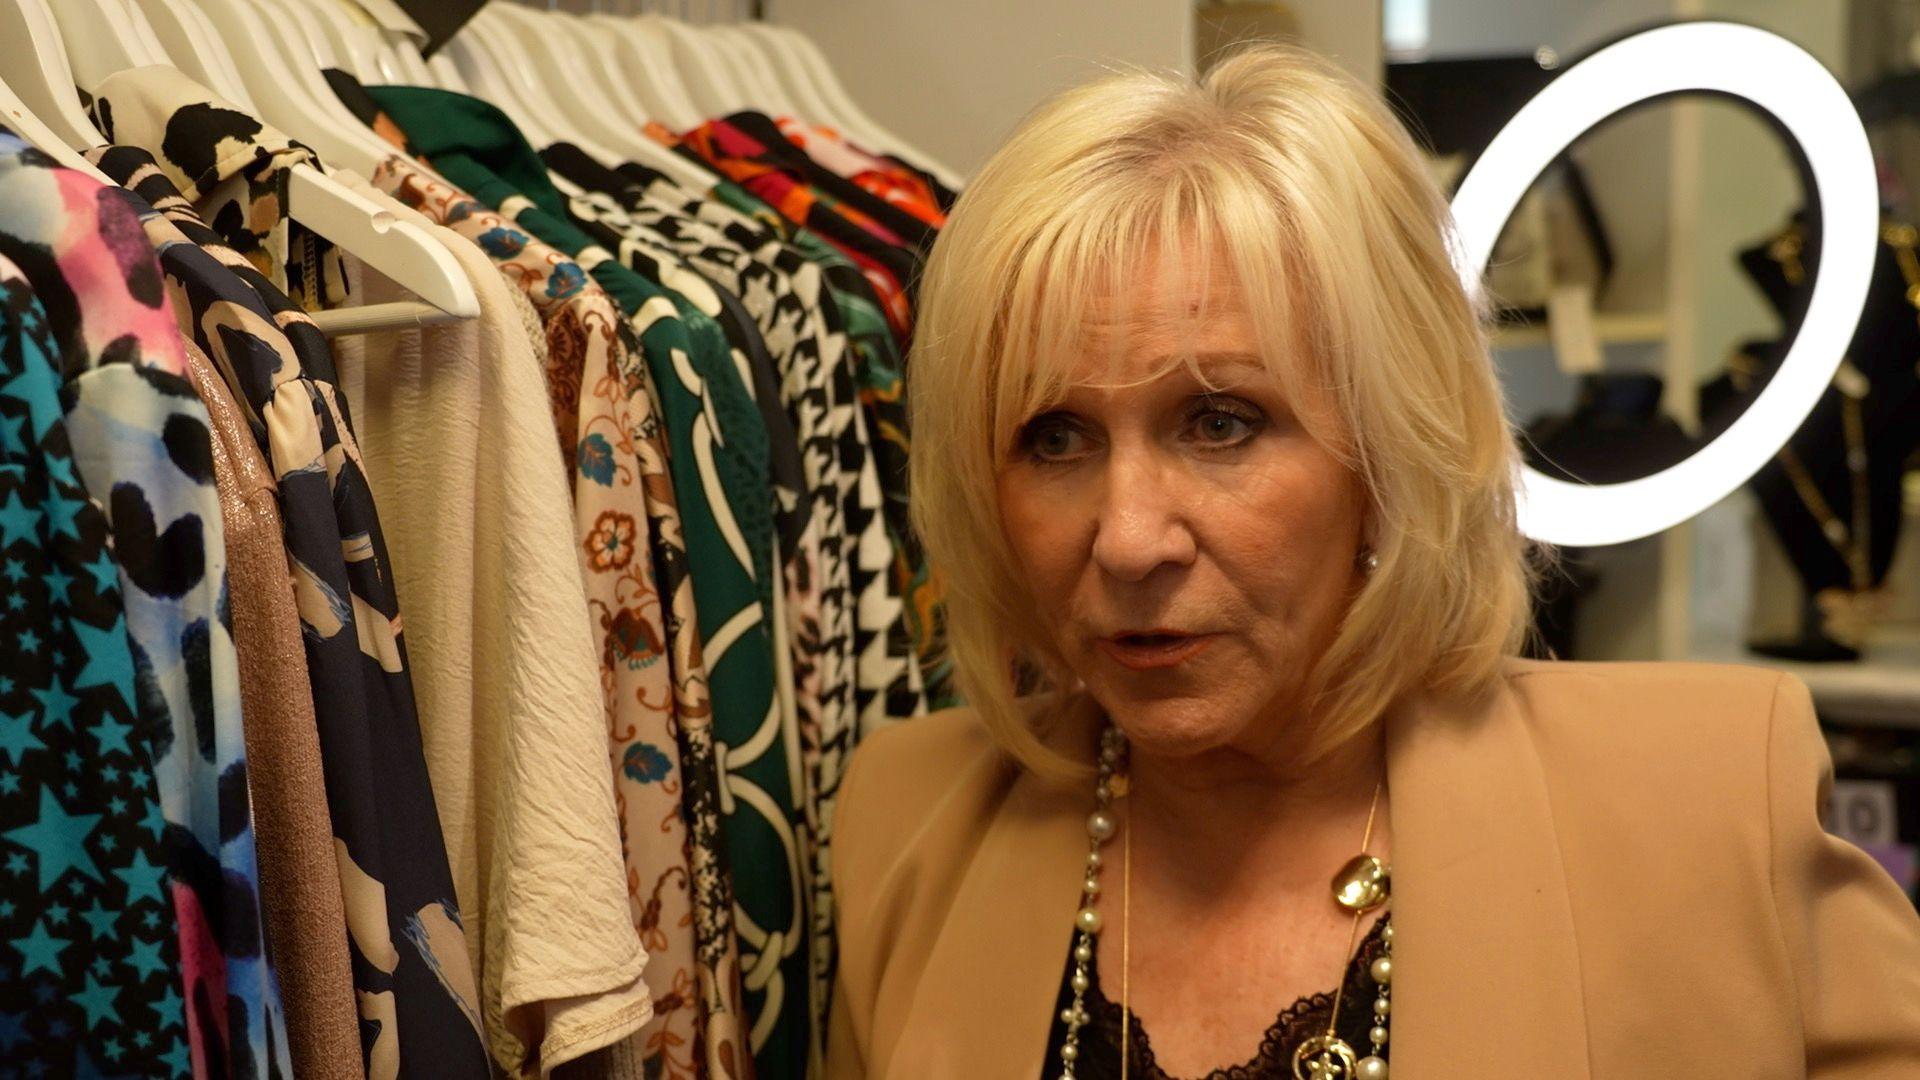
{"points": [[1177, 728]]}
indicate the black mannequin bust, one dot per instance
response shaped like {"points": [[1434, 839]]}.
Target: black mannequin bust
{"points": [[1833, 495]]}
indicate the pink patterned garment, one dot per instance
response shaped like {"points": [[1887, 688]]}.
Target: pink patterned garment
{"points": [[877, 177], [99, 264]]}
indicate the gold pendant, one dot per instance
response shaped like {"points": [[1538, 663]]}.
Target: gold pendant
{"points": [[1323, 1057], [1363, 884]]}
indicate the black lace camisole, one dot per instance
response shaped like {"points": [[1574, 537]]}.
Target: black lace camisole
{"points": [[1100, 1039]]}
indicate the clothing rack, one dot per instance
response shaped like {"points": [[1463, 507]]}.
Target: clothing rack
{"points": [[691, 11]]}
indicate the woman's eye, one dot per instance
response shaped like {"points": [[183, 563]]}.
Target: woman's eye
{"points": [[1215, 427], [1053, 439], [1221, 427]]}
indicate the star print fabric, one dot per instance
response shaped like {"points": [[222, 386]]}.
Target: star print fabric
{"points": [[143, 447], [89, 963]]}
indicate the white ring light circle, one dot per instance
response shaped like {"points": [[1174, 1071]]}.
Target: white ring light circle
{"points": [[1779, 77]]}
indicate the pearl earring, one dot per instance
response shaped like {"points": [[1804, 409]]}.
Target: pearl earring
{"points": [[1369, 561]]}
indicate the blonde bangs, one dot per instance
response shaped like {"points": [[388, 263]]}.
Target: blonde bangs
{"points": [[1283, 181]]}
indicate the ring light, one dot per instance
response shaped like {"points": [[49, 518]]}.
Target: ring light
{"points": [[1781, 79]]}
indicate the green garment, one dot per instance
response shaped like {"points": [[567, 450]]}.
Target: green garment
{"points": [[718, 458]]}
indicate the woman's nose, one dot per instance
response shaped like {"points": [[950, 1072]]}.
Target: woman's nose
{"points": [[1143, 522]]}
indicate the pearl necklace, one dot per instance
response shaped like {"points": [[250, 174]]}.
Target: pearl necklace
{"points": [[1361, 885]]}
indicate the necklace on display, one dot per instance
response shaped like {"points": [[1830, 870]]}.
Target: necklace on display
{"points": [[1363, 884]]}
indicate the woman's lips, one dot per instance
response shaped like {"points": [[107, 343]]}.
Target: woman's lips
{"points": [[1151, 650]]}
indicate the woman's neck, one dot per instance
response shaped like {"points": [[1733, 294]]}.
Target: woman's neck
{"points": [[1234, 821]]}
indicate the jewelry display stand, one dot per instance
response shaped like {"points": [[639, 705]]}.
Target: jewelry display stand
{"points": [[1832, 496]]}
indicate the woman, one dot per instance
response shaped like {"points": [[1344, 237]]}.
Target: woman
{"points": [[1210, 451]]}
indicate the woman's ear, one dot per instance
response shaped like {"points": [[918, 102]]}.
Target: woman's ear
{"points": [[1369, 522]]}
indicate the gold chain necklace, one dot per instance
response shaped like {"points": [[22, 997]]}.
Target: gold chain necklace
{"points": [[1363, 884]]}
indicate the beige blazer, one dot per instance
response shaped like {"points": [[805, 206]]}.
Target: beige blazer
{"points": [[1611, 871]]}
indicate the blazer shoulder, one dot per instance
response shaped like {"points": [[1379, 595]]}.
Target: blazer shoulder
{"points": [[1643, 737], [907, 766], [1715, 699], [906, 780]]}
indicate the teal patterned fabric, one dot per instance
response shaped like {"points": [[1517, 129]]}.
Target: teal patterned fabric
{"points": [[143, 448], [89, 962]]}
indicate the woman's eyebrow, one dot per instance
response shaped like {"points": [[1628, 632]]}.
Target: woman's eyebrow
{"points": [[1216, 358]]}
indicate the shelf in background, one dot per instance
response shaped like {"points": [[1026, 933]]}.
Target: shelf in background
{"points": [[1881, 690], [1618, 329]]}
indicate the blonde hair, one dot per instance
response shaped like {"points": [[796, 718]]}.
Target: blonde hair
{"points": [[1298, 179]]}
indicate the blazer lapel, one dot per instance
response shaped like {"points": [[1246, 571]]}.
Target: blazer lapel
{"points": [[1486, 976], [984, 1006]]}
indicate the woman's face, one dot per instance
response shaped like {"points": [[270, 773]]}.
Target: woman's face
{"points": [[1191, 552]]}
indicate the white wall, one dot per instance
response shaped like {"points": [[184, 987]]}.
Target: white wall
{"points": [[1484, 27], [954, 78]]}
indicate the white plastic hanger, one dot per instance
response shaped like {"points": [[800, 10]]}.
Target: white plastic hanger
{"points": [[580, 41], [21, 121], [131, 43], [692, 39], [301, 19], [412, 65], [397, 38], [396, 59], [35, 62], [781, 59], [573, 72], [532, 54], [644, 94], [396, 244], [288, 88], [100, 40], [446, 74], [191, 44], [648, 65], [554, 88], [705, 75], [352, 43], [139, 29], [391, 71], [863, 128], [749, 69], [530, 87], [308, 53], [484, 73], [399, 249]]}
